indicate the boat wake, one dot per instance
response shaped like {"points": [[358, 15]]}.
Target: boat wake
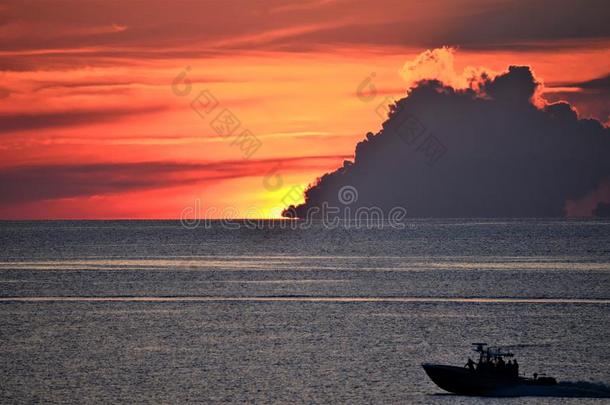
{"points": [[565, 389]]}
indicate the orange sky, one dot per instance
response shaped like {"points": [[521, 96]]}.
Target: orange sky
{"points": [[91, 127]]}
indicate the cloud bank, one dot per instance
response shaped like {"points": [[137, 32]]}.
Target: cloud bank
{"points": [[36, 33], [33, 183], [491, 149]]}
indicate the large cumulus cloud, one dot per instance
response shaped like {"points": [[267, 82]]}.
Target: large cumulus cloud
{"points": [[490, 150]]}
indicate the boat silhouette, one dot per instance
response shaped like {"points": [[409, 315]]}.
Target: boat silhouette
{"points": [[490, 375]]}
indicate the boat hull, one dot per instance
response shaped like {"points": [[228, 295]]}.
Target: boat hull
{"points": [[460, 380]]}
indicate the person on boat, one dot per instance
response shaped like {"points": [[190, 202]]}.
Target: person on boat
{"points": [[515, 368], [500, 365], [470, 364]]}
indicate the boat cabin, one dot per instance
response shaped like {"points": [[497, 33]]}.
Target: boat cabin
{"points": [[493, 360]]}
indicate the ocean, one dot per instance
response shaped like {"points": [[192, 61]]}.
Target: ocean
{"points": [[155, 312]]}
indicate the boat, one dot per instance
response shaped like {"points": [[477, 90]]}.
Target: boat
{"points": [[487, 377]]}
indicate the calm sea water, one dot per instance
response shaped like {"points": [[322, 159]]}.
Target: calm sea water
{"points": [[151, 312]]}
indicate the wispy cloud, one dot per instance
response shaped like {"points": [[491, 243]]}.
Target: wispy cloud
{"points": [[25, 121], [22, 184]]}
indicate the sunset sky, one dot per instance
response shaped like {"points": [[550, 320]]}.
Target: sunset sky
{"points": [[95, 121]]}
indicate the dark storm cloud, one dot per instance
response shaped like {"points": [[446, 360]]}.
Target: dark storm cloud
{"points": [[602, 210], [15, 122], [504, 157]]}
